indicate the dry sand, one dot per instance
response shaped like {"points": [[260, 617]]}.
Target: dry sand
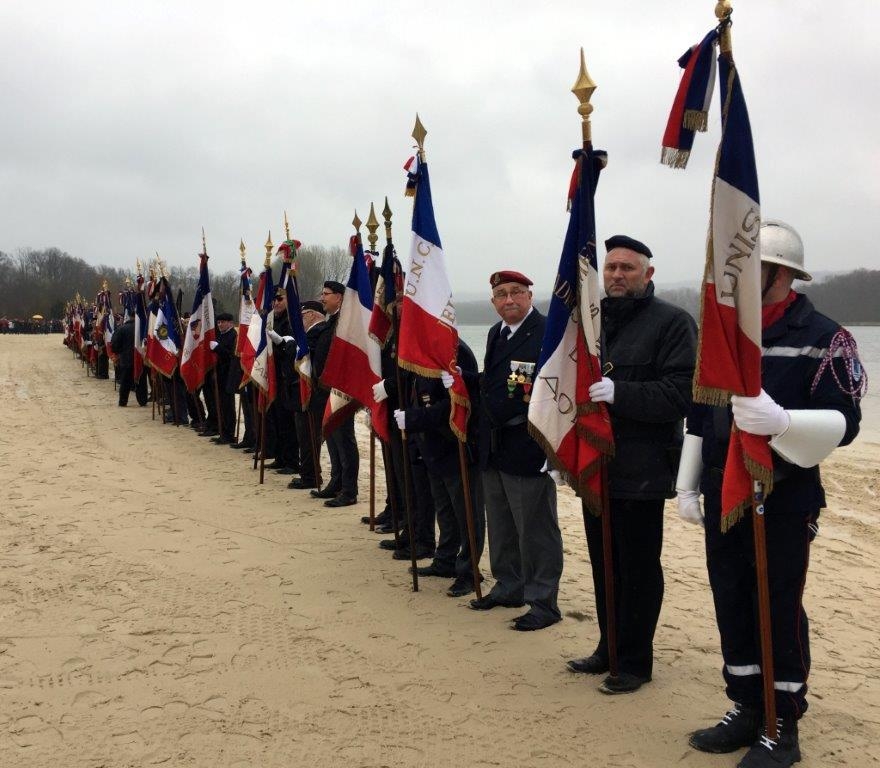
{"points": [[158, 606]]}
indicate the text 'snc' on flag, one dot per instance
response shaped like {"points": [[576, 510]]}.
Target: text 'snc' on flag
{"points": [[729, 349], [256, 349], [428, 342], [574, 431], [164, 344], [197, 357], [354, 362]]}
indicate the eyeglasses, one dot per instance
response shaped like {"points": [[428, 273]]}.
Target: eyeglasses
{"points": [[513, 293], [278, 298]]}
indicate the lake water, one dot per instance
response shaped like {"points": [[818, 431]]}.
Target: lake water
{"points": [[867, 337]]}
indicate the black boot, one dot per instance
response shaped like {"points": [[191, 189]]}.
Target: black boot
{"points": [[740, 727], [778, 753]]}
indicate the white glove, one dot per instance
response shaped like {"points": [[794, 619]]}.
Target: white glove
{"points": [[602, 391], [447, 379], [379, 392], [557, 476], [276, 339], [288, 339], [760, 415], [400, 418], [689, 507], [213, 345]]}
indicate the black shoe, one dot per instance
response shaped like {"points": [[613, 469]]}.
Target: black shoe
{"points": [[250, 449], [286, 471], [341, 501], [242, 444], [622, 682], [589, 665], [327, 493], [388, 527], [463, 585], [487, 602], [209, 433], [433, 570], [530, 622], [392, 544], [779, 753], [740, 727], [404, 553], [221, 440], [301, 485], [276, 464], [381, 519]]}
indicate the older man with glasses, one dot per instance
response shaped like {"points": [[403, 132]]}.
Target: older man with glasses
{"points": [[525, 545]]}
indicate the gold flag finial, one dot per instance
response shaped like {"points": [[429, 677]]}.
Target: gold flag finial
{"points": [[583, 88], [204, 246], [242, 250], [418, 133], [723, 9], [372, 226], [137, 263], [269, 246], [286, 227], [356, 222], [386, 214]]}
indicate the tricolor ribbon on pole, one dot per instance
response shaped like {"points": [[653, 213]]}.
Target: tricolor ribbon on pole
{"points": [[729, 348]]}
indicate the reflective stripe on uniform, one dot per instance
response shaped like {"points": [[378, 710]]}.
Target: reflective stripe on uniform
{"points": [[814, 352], [743, 670]]}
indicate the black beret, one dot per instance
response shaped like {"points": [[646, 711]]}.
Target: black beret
{"points": [[314, 306], [623, 241], [227, 316], [333, 285]]}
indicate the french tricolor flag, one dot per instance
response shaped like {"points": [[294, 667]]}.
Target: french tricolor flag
{"points": [[197, 357], [256, 349], [354, 364], [164, 345], [729, 348], [574, 431], [428, 342]]}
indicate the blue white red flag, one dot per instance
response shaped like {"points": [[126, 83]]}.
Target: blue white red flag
{"points": [[428, 342], [729, 347], [256, 349], [389, 284], [198, 358], [574, 431], [140, 328], [354, 363], [302, 362], [163, 346]]}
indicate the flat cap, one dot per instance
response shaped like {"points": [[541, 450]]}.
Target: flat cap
{"points": [[630, 243], [227, 316], [508, 276], [334, 286], [314, 306], [280, 292]]}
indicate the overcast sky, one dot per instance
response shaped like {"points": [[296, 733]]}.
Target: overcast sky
{"points": [[127, 127]]}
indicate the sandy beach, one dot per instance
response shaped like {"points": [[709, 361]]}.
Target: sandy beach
{"points": [[159, 607]]}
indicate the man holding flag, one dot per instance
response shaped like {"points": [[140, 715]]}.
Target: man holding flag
{"points": [[812, 384], [648, 361], [794, 381]]}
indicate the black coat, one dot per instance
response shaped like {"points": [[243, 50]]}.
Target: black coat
{"points": [[505, 443], [651, 347], [795, 347], [319, 338], [284, 357], [225, 352], [427, 418], [122, 344]]}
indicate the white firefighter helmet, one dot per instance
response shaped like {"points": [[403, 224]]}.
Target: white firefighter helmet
{"points": [[781, 244]]}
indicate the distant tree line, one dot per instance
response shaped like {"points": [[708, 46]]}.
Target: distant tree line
{"points": [[43, 281]]}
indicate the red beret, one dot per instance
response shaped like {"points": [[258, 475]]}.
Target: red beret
{"points": [[508, 276]]}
